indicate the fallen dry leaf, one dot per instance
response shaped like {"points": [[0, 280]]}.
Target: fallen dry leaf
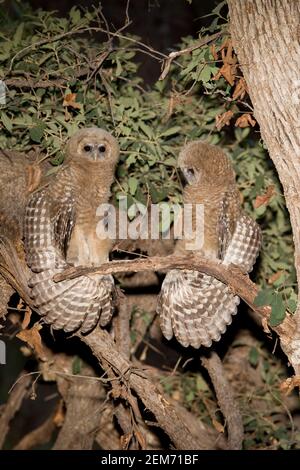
{"points": [[33, 338], [275, 276], [140, 438], [70, 101], [27, 317], [245, 120], [213, 50], [125, 440], [265, 198], [240, 89], [289, 384], [229, 67], [265, 326], [20, 305], [223, 119], [217, 425], [59, 416], [228, 71]]}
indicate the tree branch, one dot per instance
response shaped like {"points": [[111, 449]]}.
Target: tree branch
{"points": [[239, 282], [226, 400], [104, 349]]}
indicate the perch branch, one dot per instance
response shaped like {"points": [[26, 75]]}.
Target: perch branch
{"points": [[239, 282], [226, 400]]}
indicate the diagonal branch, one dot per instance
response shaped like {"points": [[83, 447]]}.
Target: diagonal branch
{"points": [[226, 400], [238, 281]]}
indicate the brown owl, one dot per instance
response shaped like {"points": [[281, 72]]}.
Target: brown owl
{"points": [[20, 174], [195, 307], [60, 229]]}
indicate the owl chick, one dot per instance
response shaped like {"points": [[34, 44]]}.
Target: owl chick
{"points": [[20, 174], [60, 229], [195, 307]]}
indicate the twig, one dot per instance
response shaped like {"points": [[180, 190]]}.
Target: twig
{"points": [[187, 50], [226, 400]]}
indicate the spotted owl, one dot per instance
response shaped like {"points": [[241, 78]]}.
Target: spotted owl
{"points": [[60, 230], [193, 306]]}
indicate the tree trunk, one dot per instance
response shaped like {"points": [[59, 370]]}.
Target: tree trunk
{"points": [[265, 36]]}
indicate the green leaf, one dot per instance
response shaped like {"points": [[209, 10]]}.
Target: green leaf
{"points": [[292, 305], [146, 129], [278, 310], [205, 74], [264, 297], [75, 15], [133, 184], [18, 34], [36, 133], [171, 131], [253, 356], [6, 121]]}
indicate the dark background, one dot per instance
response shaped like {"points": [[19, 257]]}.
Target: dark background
{"points": [[159, 23]]}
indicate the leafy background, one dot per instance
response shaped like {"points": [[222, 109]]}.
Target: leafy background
{"points": [[66, 73]]}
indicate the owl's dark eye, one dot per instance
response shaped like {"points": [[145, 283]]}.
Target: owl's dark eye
{"points": [[88, 148], [189, 174], [101, 148]]}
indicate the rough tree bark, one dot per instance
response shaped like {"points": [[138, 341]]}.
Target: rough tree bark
{"points": [[265, 36]]}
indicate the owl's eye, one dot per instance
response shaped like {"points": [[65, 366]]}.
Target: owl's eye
{"points": [[189, 174], [88, 148], [101, 148]]}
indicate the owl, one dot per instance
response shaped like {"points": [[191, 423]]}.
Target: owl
{"points": [[60, 230], [20, 174], [195, 307]]}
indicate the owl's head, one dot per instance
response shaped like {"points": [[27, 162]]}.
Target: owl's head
{"points": [[204, 163], [93, 144]]}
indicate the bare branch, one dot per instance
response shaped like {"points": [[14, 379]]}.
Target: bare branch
{"points": [[239, 282], [187, 50], [226, 400], [104, 349]]}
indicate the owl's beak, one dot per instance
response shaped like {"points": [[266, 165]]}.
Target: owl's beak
{"points": [[96, 155]]}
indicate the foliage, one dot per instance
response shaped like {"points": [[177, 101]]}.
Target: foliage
{"points": [[66, 73], [85, 81]]}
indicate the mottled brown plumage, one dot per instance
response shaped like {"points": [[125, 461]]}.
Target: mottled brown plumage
{"points": [[195, 307], [60, 229], [20, 174]]}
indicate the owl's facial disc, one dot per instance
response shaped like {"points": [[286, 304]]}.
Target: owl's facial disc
{"points": [[95, 151], [189, 175]]}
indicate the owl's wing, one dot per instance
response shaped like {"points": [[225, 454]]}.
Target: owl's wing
{"points": [[64, 221], [197, 308], [70, 304]]}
